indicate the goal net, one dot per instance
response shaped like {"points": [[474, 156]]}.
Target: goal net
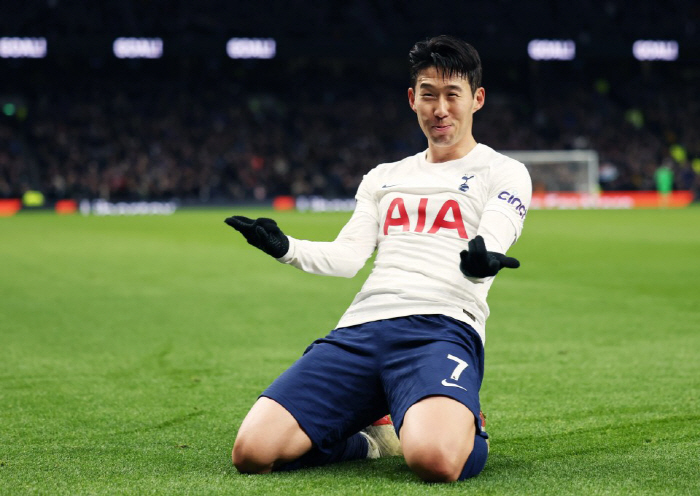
{"points": [[560, 170]]}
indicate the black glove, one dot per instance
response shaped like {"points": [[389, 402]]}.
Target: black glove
{"points": [[261, 233], [477, 262]]}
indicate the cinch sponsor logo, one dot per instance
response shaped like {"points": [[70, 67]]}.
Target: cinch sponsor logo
{"points": [[515, 201]]}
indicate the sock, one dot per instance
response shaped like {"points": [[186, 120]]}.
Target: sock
{"points": [[352, 448], [477, 459]]}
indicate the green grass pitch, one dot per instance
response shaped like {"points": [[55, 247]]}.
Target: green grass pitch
{"points": [[131, 348]]}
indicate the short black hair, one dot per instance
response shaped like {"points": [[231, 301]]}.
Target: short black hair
{"points": [[449, 55]]}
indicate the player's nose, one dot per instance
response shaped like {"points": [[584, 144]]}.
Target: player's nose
{"points": [[440, 108]]}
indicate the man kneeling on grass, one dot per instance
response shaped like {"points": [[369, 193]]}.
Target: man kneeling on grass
{"points": [[411, 343]]}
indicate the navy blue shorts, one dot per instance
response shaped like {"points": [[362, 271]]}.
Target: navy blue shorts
{"points": [[358, 374]]}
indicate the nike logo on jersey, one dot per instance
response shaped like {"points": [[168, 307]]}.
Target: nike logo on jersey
{"points": [[449, 384], [389, 185]]}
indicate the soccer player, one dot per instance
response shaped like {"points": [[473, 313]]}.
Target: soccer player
{"points": [[411, 343]]}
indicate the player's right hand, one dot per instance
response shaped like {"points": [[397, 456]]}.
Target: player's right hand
{"points": [[262, 233]]}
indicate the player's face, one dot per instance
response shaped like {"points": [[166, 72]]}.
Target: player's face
{"points": [[445, 108]]}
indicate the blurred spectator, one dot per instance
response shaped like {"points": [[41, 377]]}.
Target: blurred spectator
{"points": [[316, 128]]}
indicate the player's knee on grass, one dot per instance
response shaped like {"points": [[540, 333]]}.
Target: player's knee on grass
{"points": [[434, 463], [249, 459], [444, 464], [268, 435]]}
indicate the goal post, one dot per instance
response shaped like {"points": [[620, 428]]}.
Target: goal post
{"points": [[560, 170]]}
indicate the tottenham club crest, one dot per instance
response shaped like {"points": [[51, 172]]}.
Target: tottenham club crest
{"points": [[465, 186]]}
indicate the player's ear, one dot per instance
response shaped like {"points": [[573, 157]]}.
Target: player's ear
{"points": [[412, 99], [479, 98]]}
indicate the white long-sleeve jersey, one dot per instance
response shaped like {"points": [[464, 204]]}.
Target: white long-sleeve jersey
{"points": [[420, 216]]}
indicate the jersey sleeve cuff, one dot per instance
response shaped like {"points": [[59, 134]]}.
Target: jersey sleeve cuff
{"points": [[289, 256]]}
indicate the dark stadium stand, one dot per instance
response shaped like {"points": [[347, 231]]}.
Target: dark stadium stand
{"points": [[333, 104]]}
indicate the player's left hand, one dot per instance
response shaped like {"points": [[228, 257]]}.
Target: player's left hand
{"points": [[477, 262]]}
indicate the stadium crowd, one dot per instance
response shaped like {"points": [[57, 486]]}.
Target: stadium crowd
{"points": [[315, 128], [215, 131]]}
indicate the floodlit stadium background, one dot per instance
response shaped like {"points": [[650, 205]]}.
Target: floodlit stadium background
{"points": [[225, 102], [132, 346]]}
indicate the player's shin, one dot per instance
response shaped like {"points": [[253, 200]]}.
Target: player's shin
{"points": [[476, 460], [353, 448]]}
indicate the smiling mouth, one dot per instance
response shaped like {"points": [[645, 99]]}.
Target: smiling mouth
{"points": [[442, 128]]}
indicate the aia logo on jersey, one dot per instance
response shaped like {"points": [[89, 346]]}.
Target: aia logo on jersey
{"points": [[512, 199], [449, 216], [465, 186]]}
